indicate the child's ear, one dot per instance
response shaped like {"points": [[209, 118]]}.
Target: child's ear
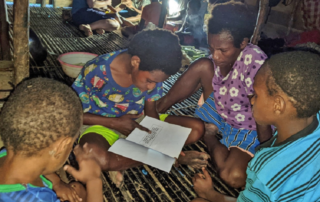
{"points": [[135, 62], [62, 145], [279, 105]]}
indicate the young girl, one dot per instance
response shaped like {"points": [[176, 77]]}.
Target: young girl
{"points": [[116, 88], [226, 80]]}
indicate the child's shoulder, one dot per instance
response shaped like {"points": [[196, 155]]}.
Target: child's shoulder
{"points": [[300, 154], [26, 193], [251, 58]]}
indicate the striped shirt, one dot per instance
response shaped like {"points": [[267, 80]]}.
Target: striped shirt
{"points": [[288, 171], [27, 192]]}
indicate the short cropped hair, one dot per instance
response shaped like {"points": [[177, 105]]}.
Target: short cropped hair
{"points": [[37, 113], [157, 49], [236, 19], [297, 74]]}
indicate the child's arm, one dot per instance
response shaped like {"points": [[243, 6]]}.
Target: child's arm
{"points": [[124, 124], [89, 173], [64, 191], [203, 186], [150, 109]]}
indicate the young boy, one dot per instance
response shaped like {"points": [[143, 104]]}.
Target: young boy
{"points": [[118, 87], [39, 124], [286, 167]]}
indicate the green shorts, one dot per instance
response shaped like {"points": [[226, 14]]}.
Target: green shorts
{"points": [[110, 135]]}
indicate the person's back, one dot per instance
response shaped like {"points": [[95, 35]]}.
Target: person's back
{"points": [[151, 13]]}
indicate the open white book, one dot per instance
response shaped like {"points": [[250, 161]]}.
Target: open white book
{"points": [[158, 149]]}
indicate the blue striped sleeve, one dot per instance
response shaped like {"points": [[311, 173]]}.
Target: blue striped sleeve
{"points": [[255, 191]]}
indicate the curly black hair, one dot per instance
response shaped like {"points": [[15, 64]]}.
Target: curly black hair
{"points": [[37, 113], [297, 74], [236, 19], [157, 49]]}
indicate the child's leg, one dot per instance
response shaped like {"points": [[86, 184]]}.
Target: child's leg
{"points": [[194, 159], [195, 124], [107, 160], [108, 25], [231, 163]]}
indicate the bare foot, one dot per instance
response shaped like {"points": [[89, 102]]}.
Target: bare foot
{"points": [[100, 31], [86, 29], [194, 159], [117, 178]]}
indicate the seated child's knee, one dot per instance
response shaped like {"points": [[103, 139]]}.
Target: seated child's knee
{"points": [[234, 177], [113, 24], [100, 154], [199, 127]]}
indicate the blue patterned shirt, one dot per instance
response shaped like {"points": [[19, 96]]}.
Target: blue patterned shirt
{"points": [[101, 95]]}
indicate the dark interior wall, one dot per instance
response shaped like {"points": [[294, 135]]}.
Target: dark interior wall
{"points": [[281, 14]]}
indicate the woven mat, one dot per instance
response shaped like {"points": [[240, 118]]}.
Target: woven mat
{"points": [[143, 183]]}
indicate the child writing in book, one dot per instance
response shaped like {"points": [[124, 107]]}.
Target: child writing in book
{"points": [[116, 88], [39, 124], [286, 167]]}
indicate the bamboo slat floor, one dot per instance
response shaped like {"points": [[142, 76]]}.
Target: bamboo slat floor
{"points": [[142, 183]]}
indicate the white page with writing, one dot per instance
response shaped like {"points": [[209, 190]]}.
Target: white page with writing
{"points": [[165, 138], [140, 153]]}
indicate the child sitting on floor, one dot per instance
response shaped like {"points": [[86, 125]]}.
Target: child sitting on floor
{"points": [[118, 87], [286, 167], [191, 32], [95, 15], [39, 124]]}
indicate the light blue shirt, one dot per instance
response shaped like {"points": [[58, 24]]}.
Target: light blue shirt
{"points": [[289, 171]]}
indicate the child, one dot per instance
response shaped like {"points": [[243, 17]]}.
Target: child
{"points": [[39, 124], [118, 87], [150, 13], [191, 32], [226, 79], [95, 15], [286, 167]]}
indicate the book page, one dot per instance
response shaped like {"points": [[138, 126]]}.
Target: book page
{"points": [[143, 154], [164, 137]]}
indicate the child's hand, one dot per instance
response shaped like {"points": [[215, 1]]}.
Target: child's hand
{"points": [[89, 169], [127, 124], [66, 193], [202, 184]]}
